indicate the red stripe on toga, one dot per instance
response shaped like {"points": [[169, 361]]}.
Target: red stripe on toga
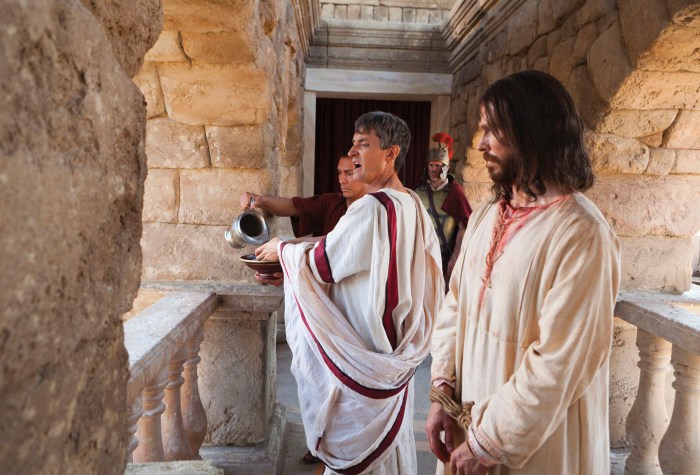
{"points": [[383, 446], [392, 282], [371, 393], [322, 263]]}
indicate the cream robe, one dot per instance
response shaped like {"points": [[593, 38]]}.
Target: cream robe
{"points": [[534, 357], [359, 317]]}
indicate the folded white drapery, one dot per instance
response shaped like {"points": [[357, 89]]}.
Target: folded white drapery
{"points": [[359, 317]]}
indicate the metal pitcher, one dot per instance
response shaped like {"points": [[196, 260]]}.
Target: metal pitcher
{"points": [[249, 228]]}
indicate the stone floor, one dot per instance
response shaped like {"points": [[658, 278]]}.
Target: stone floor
{"points": [[294, 446]]}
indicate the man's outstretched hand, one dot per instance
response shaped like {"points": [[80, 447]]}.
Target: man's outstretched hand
{"points": [[268, 251]]}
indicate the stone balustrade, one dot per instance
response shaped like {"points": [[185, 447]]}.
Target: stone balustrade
{"points": [[668, 331], [166, 418], [222, 396]]}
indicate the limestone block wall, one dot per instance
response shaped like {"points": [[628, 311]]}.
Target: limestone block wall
{"points": [[633, 69], [72, 167], [381, 35], [223, 87], [395, 11]]}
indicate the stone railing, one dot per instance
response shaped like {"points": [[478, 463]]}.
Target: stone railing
{"points": [[668, 330], [166, 417]]}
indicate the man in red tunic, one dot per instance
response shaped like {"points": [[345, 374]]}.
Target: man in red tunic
{"points": [[315, 215]]}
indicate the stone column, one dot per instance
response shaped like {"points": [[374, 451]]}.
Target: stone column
{"points": [[135, 412], [238, 370], [647, 420], [679, 452], [193, 415], [176, 445], [150, 447]]}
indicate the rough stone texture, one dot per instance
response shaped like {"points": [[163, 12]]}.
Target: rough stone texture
{"points": [[685, 131], [593, 10], [237, 147], [608, 63], [219, 47], [160, 197], [624, 379], [551, 13], [188, 252], [167, 48], [656, 264], [189, 467], [211, 196], [173, 145], [658, 90], [613, 154], [132, 27], [675, 49], [641, 22], [207, 15], [591, 107], [636, 123], [643, 205], [72, 167], [233, 114], [149, 84], [661, 161], [562, 60], [687, 162], [520, 31], [239, 406], [215, 94]]}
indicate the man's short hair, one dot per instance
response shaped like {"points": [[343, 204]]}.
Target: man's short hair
{"points": [[533, 113], [390, 129]]}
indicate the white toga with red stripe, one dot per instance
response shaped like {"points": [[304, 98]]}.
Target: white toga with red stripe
{"points": [[359, 318]]}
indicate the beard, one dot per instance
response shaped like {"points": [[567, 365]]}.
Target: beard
{"points": [[501, 170]]}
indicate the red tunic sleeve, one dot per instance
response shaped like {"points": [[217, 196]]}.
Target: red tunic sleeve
{"points": [[456, 204], [317, 214]]}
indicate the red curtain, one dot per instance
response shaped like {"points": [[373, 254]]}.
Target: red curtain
{"points": [[335, 126]]}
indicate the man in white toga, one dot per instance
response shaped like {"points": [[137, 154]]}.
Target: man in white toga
{"points": [[360, 306]]}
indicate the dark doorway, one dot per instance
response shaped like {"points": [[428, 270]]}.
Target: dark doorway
{"points": [[335, 124]]}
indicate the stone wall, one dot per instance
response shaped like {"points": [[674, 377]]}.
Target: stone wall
{"points": [[634, 71], [72, 167], [395, 11], [223, 91], [382, 35]]}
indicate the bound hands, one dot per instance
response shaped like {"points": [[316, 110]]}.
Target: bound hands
{"points": [[463, 462], [461, 459]]}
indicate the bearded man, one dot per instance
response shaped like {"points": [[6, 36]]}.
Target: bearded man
{"points": [[360, 306], [526, 328]]}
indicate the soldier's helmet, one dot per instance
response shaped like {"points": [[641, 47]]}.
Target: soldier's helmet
{"points": [[443, 151]]}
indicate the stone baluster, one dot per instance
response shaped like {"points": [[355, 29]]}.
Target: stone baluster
{"points": [[135, 412], [680, 448], [175, 443], [648, 419], [150, 448], [193, 415]]}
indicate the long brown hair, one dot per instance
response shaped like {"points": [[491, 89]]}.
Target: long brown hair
{"points": [[533, 112]]}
